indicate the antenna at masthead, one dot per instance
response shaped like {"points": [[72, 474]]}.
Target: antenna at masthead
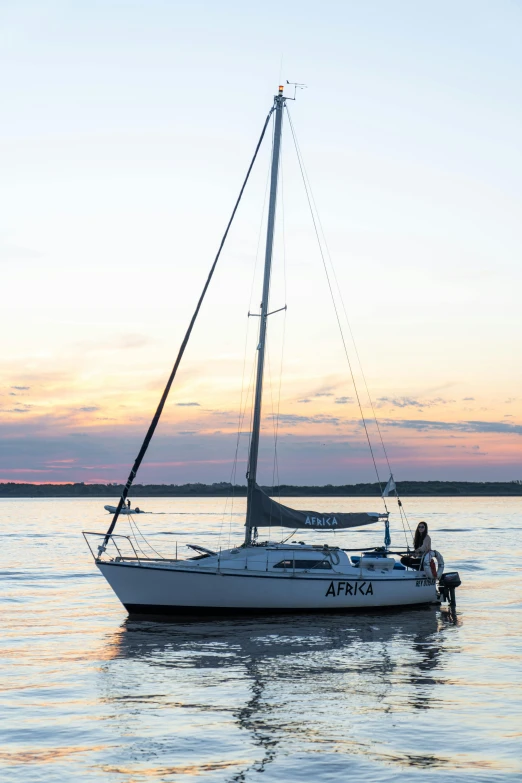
{"points": [[296, 86]]}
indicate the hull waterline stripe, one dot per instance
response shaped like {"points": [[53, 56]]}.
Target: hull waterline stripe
{"points": [[212, 611]]}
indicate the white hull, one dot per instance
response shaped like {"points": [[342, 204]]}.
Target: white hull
{"points": [[181, 588], [125, 511]]}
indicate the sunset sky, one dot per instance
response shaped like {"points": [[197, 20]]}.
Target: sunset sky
{"points": [[126, 131]]}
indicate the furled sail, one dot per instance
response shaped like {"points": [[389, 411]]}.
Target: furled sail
{"points": [[267, 512]]}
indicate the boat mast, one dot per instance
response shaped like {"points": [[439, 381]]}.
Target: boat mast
{"points": [[279, 102]]}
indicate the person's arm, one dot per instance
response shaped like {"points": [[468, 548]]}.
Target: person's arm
{"points": [[424, 547]]}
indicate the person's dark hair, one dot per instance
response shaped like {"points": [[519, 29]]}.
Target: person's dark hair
{"points": [[420, 535]]}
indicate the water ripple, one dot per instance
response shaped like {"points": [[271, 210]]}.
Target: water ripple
{"points": [[90, 695]]}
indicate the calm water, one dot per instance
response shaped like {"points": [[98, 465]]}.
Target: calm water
{"points": [[89, 695]]}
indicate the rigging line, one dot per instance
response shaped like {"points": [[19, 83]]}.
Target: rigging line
{"points": [[249, 400], [233, 472], [182, 513], [276, 413], [404, 527], [275, 427], [282, 202], [282, 199], [289, 536], [275, 468], [276, 457], [165, 394], [370, 400], [402, 511], [136, 538], [132, 533], [145, 540], [339, 292], [241, 414], [233, 475], [259, 236], [251, 422], [275, 471], [269, 366], [333, 302], [234, 463]]}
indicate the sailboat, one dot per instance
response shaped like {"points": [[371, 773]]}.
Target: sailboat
{"points": [[270, 575]]}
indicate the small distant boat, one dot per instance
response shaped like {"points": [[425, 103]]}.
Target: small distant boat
{"points": [[269, 575], [124, 510]]}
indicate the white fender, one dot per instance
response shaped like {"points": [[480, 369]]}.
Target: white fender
{"points": [[440, 562], [427, 563]]}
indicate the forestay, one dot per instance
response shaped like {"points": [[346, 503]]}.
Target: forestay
{"points": [[268, 513]]}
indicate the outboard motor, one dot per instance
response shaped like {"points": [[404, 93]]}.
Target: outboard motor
{"points": [[448, 583]]}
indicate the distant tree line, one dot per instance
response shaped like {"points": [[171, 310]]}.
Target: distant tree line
{"points": [[223, 489]]}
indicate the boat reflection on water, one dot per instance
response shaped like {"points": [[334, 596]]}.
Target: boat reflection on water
{"points": [[315, 679]]}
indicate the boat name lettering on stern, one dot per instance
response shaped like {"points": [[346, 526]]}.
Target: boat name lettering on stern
{"points": [[350, 588], [424, 582]]}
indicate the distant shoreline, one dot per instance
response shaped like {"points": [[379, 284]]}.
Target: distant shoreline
{"points": [[223, 489]]}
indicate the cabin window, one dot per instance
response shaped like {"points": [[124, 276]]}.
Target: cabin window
{"points": [[317, 565]]}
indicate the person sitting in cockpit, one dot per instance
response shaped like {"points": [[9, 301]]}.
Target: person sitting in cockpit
{"points": [[421, 545]]}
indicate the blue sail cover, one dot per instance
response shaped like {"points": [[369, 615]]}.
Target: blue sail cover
{"points": [[267, 513]]}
